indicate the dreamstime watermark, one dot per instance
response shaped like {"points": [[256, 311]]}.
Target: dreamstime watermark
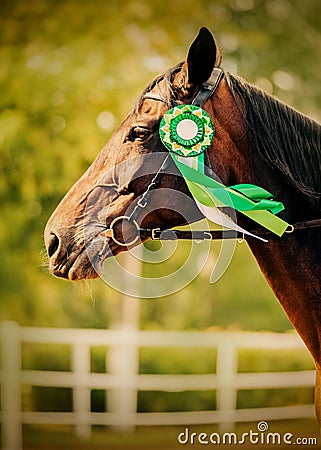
{"points": [[105, 203], [260, 436]]}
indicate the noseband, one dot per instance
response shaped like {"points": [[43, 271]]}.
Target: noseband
{"points": [[207, 89]]}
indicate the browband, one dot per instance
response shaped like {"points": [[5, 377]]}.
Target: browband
{"points": [[206, 91]]}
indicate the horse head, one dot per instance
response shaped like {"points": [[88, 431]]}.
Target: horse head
{"points": [[122, 172], [125, 168]]}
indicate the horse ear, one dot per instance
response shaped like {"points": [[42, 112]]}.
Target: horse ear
{"points": [[203, 56]]}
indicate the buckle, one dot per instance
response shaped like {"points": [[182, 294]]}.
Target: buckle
{"points": [[154, 231], [142, 203]]}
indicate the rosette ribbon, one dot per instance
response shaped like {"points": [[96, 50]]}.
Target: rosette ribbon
{"points": [[187, 131]]}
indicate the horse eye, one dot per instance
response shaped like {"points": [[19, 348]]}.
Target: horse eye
{"points": [[138, 134]]}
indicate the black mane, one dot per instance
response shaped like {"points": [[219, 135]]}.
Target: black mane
{"points": [[287, 140]]}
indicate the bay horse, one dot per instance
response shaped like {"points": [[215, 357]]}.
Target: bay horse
{"points": [[258, 140]]}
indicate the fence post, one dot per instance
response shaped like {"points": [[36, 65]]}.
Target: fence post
{"points": [[123, 365], [123, 358], [11, 386], [226, 393], [81, 394]]}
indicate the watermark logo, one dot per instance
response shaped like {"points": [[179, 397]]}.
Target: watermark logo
{"points": [[260, 436], [263, 426]]}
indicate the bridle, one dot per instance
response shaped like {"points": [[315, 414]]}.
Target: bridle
{"points": [[207, 89]]}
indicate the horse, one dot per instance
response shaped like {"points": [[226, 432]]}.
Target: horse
{"points": [[258, 139]]}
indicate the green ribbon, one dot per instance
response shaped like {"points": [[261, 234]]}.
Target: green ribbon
{"points": [[253, 201], [187, 131]]}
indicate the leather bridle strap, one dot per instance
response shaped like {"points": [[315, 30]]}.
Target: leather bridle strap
{"points": [[200, 235], [206, 91], [172, 234], [208, 88]]}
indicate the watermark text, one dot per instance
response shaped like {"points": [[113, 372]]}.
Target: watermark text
{"points": [[261, 435]]}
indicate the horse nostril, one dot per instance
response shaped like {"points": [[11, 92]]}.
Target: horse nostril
{"points": [[53, 244]]}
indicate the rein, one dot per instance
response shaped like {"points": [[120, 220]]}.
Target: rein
{"points": [[157, 234], [172, 234], [206, 91]]}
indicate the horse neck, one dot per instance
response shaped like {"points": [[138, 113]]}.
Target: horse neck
{"points": [[293, 271], [291, 264]]}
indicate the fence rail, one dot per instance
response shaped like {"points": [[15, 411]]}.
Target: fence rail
{"points": [[123, 380]]}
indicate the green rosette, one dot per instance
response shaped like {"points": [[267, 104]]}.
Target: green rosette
{"points": [[186, 130]]}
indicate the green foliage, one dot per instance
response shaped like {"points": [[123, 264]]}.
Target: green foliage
{"points": [[274, 360], [257, 398], [98, 356], [51, 399], [62, 64], [149, 401], [46, 357], [177, 361]]}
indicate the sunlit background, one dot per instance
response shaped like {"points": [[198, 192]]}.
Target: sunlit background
{"points": [[69, 73]]}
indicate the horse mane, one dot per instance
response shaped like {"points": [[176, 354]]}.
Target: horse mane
{"points": [[289, 141]]}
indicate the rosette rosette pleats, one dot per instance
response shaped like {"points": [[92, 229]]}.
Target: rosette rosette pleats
{"points": [[186, 130]]}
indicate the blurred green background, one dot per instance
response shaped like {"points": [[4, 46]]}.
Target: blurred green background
{"points": [[69, 72]]}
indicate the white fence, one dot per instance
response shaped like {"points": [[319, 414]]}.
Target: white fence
{"points": [[123, 380]]}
